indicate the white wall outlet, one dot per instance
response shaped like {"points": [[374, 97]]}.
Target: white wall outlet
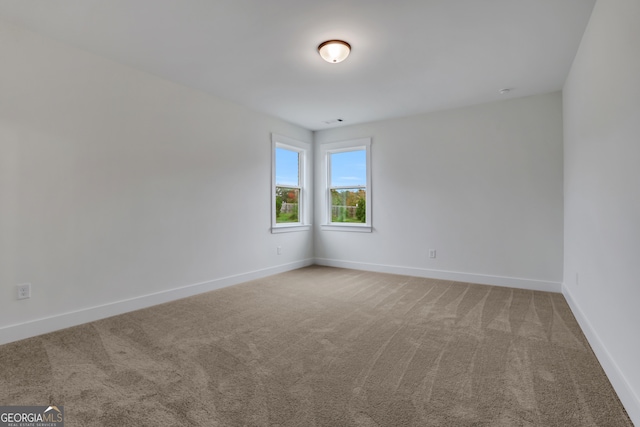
{"points": [[279, 250], [432, 253], [24, 291], [577, 280]]}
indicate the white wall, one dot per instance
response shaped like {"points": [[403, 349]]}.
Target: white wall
{"points": [[115, 184], [602, 192], [482, 185]]}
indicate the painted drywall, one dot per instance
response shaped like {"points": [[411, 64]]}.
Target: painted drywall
{"points": [[481, 185], [602, 192], [117, 185]]}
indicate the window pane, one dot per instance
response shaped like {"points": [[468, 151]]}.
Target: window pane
{"points": [[287, 204], [287, 164], [349, 205], [349, 168]]}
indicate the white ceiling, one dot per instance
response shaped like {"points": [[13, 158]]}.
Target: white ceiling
{"points": [[408, 56]]}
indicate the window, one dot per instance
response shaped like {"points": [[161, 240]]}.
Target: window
{"points": [[347, 167], [289, 199]]}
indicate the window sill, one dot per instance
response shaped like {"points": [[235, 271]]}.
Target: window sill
{"points": [[289, 228], [351, 227]]}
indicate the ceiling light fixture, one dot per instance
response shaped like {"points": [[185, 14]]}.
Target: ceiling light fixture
{"points": [[334, 51]]}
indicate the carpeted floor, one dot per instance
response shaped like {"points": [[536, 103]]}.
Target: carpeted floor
{"points": [[323, 347]]}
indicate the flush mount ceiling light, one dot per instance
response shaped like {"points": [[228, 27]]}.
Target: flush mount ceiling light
{"points": [[334, 51]]}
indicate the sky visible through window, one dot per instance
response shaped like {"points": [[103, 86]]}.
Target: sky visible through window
{"points": [[286, 167], [349, 168]]}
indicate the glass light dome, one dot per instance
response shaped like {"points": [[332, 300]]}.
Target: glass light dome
{"points": [[334, 51]]}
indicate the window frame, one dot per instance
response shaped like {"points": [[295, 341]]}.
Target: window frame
{"points": [[304, 158], [327, 149]]}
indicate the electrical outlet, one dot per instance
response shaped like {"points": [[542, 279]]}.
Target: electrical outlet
{"points": [[279, 250], [24, 291], [432, 253], [577, 280]]}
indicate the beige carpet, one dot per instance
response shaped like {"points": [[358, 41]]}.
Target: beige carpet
{"points": [[323, 347]]}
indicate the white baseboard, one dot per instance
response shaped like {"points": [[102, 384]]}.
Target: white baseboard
{"points": [[629, 398], [65, 320], [483, 279]]}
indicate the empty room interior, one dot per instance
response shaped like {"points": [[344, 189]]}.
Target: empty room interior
{"points": [[209, 216]]}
